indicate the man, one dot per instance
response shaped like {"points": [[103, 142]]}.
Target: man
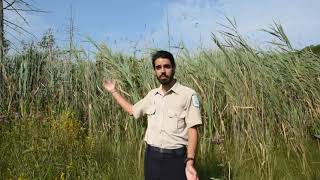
{"points": [[173, 116]]}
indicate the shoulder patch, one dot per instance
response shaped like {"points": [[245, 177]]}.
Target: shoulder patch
{"points": [[195, 101]]}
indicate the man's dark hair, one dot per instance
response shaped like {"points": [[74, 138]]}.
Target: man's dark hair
{"points": [[163, 54]]}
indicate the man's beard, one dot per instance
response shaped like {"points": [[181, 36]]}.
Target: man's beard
{"points": [[167, 80]]}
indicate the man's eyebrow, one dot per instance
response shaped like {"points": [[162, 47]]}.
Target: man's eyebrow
{"points": [[164, 65]]}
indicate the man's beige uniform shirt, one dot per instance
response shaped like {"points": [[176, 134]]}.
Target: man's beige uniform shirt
{"points": [[169, 115]]}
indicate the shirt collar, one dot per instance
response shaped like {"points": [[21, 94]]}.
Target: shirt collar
{"points": [[174, 88]]}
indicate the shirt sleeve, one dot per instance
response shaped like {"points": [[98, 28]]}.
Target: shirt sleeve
{"points": [[193, 116], [139, 109]]}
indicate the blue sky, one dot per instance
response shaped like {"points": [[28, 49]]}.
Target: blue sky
{"points": [[124, 24]]}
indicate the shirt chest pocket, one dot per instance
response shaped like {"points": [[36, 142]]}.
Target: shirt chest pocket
{"points": [[176, 121], [151, 114]]}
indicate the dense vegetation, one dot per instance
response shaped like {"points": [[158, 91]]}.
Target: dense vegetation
{"points": [[313, 48], [260, 110]]}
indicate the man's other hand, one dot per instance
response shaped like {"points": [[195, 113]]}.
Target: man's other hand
{"points": [[191, 172]]}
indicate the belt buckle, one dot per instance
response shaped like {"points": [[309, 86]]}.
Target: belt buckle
{"points": [[161, 150]]}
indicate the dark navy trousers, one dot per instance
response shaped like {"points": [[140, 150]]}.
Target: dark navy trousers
{"points": [[164, 165]]}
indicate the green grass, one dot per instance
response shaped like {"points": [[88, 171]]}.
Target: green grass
{"points": [[46, 150], [263, 107], [36, 149]]}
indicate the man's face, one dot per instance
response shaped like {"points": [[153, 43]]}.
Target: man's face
{"points": [[163, 70]]}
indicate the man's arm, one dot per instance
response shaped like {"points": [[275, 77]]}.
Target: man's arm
{"points": [[110, 86], [192, 142], [191, 172]]}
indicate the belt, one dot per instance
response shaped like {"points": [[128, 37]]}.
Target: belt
{"points": [[179, 151]]}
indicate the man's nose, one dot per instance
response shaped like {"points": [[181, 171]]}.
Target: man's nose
{"points": [[162, 70]]}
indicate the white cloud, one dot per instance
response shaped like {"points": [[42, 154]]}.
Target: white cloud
{"points": [[193, 21], [190, 21], [298, 18]]}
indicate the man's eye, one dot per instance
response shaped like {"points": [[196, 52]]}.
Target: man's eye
{"points": [[167, 66], [158, 67]]}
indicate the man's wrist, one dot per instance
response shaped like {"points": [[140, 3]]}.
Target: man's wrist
{"points": [[189, 161], [113, 91]]}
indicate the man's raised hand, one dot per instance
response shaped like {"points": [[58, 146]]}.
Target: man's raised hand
{"points": [[109, 85]]}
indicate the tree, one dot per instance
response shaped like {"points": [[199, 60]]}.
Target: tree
{"points": [[17, 6], [1, 51], [1, 35], [47, 42]]}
